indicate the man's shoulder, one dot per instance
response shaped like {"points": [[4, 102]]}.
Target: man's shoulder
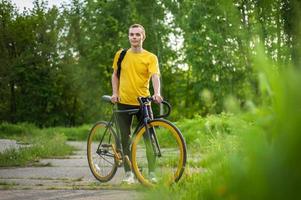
{"points": [[148, 53]]}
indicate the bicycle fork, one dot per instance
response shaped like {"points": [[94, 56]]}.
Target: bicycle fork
{"points": [[152, 137]]}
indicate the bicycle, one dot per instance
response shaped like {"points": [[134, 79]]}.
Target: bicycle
{"points": [[162, 148]]}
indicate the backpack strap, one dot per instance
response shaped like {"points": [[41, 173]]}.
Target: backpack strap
{"points": [[121, 56]]}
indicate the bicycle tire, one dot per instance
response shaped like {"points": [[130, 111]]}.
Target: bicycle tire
{"points": [[102, 164], [170, 166]]}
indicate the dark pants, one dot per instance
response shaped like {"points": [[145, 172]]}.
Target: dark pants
{"points": [[125, 123]]}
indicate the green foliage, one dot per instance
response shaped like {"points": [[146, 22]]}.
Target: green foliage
{"points": [[257, 161], [56, 63], [212, 126], [211, 138]]}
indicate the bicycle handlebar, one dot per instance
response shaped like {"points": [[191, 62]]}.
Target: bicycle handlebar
{"points": [[106, 98], [168, 111], [146, 100], [142, 101]]}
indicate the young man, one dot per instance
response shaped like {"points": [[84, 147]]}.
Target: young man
{"points": [[137, 69]]}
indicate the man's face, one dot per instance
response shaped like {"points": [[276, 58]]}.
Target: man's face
{"points": [[136, 37]]}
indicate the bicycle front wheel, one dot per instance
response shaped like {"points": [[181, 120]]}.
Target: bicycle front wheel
{"points": [[158, 155], [100, 153]]}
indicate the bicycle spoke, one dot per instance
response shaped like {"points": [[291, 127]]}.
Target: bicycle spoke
{"points": [[101, 156], [169, 165], [107, 160]]}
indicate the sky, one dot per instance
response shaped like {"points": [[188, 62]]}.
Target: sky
{"points": [[28, 3]]}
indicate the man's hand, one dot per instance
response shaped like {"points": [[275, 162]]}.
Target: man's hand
{"points": [[115, 98], [157, 98]]}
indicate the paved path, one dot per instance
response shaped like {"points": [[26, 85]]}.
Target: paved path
{"points": [[68, 178]]}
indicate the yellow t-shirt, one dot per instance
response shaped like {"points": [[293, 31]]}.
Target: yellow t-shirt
{"points": [[136, 72]]}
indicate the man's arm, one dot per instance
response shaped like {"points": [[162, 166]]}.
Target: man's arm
{"points": [[115, 87], [156, 85]]}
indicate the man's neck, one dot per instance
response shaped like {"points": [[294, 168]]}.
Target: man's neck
{"points": [[136, 49]]}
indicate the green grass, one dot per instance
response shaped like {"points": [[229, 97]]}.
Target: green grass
{"points": [[7, 186], [41, 144], [249, 155], [79, 133], [25, 131], [41, 147], [21, 132], [208, 139]]}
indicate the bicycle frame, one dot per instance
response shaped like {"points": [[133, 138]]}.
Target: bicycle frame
{"points": [[143, 122]]}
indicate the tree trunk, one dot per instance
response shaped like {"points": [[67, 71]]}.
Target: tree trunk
{"points": [[13, 104], [279, 28]]}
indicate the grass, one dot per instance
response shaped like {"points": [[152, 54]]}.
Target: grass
{"points": [[249, 155], [210, 138], [42, 145], [79, 133], [7, 186], [24, 131]]}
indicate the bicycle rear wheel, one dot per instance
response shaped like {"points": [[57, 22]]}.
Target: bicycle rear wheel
{"points": [[146, 161], [100, 154]]}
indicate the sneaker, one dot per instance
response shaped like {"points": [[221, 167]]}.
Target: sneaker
{"points": [[152, 177], [129, 178]]}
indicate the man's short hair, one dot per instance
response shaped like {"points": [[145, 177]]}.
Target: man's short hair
{"points": [[139, 26]]}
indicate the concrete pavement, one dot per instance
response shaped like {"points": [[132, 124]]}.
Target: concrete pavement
{"points": [[66, 178]]}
